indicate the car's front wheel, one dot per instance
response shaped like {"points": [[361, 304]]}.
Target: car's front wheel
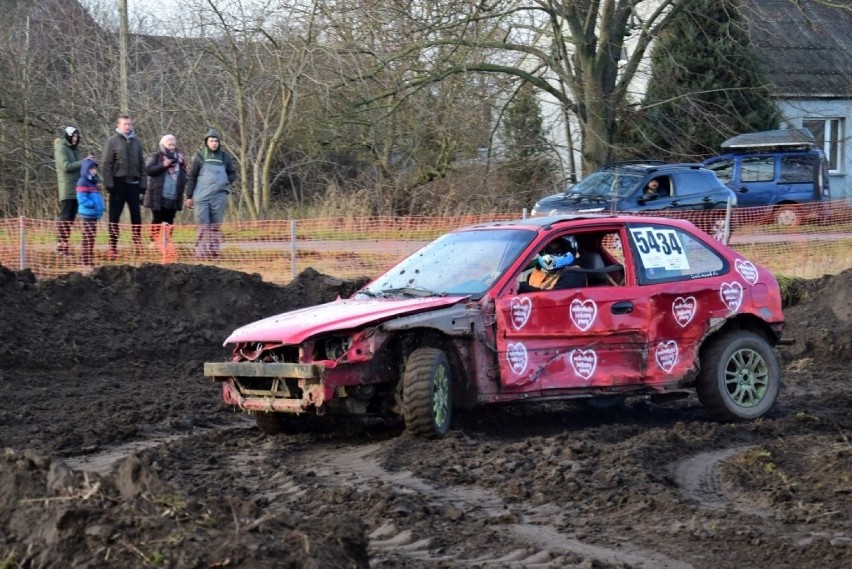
{"points": [[427, 393], [739, 378]]}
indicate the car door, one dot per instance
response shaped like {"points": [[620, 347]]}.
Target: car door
{"points": [[683, 279], [754, 180], [692, 190], [583, 338], [798, 180]]}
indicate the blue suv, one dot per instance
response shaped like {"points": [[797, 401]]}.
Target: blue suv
{"points": [[624, 187], [780, 168]]}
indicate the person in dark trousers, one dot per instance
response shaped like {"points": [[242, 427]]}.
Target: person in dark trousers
{"points": [[125, 179], [66, 154], [207, 186], [166, 170], [90, 206], [556, 267]]}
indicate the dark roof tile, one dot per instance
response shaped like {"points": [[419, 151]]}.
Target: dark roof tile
{"points": [[805, 47]]}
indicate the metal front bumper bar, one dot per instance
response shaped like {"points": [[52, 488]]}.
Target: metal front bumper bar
{"points": [[278, 397]]}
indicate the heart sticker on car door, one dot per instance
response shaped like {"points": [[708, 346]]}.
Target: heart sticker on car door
{"points": [[517, 356], [683, 310], [584, 362], [667, 355], [583, 313], [521, 307]]}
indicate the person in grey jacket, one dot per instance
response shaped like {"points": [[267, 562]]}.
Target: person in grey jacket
{"points": [[207, 186], [68, 162], [125, 178]]}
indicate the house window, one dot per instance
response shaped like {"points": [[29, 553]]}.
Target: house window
{"points": [[829, 137]]}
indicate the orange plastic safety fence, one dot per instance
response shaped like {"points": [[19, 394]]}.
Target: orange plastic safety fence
{"points": [[800, 240]]}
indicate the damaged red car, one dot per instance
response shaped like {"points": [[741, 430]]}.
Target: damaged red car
{"points": [[638, 306]]}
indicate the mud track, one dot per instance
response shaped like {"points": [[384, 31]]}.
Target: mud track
{"points": [[120, 455]]}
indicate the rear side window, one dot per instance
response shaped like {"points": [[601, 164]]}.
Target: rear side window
{"points": [[724, 170], [758, 169], [670, 254], [797, 169]]}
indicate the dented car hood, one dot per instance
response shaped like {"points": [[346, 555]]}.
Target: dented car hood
{"points": [[296, 326]]}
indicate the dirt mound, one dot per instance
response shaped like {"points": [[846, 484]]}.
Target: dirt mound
{"points": [[152, 312], [819, 319]]}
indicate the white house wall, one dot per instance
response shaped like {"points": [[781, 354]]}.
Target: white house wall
{"points": [[795, 111]]}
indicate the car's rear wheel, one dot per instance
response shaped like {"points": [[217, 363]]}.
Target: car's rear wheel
{"points": [[739, 378], [788, 215], [427, 393]]}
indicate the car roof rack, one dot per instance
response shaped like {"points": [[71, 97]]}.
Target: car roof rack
{"points": [[788, 138]]}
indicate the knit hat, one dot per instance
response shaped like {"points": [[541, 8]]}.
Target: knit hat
{"points": [[69, 132]]}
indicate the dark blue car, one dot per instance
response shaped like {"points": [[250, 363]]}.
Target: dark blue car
{"points": [[625, 188], [780, 168]]}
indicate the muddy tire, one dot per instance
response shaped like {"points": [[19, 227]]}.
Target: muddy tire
{"points": [[278, 423], [740, 377], [427, 393]]}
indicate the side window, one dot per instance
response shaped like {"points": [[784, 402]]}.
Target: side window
{"points": [[758, 169], [724, 170], [669, 254], [797, 169]]}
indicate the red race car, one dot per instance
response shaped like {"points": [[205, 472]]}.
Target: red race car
{"points": [[595, 307]]}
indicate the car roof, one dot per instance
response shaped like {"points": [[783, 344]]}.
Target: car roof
{"points": [[651, 166], [548, 222]]}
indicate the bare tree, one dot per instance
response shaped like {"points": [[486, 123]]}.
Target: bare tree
{"points": [[583, 53]]}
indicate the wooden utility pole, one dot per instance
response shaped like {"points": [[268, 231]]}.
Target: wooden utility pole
{"points": [[123, 94]]}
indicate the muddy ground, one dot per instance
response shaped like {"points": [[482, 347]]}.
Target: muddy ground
{"points": [[118, 452]]}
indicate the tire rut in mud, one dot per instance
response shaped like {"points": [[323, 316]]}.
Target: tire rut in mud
{"points": [[531, 540]]}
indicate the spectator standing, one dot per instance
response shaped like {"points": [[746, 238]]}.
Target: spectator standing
{"points": [[68, 162], [166, 170], [125, 180], [207, 186], [90, 206]]}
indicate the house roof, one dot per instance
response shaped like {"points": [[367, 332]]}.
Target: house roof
{"points": [[805, 46]]}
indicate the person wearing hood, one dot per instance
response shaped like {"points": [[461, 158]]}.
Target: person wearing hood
{"points": [[125, 179], [68, 162], [207, 186], [90, 207], [166, 170]]}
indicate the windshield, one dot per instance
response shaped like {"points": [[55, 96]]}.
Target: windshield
{"points": [[607, 185], [460, 263]]}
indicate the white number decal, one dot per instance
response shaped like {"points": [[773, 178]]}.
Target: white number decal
{"points": [[659, 248]]}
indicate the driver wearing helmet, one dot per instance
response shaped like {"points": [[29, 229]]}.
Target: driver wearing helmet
{"points": [[555, 267]]}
